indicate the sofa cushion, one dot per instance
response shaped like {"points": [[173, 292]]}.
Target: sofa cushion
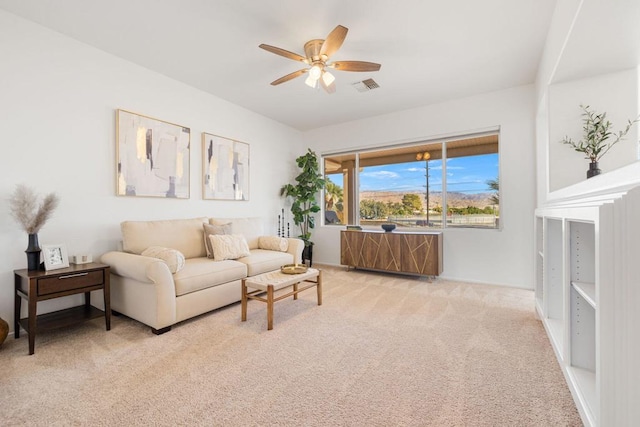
{"points": [[184, 235], [273, 243], [250, 228], [263, 260], [212, 230], [202, 273], [173, 258]]}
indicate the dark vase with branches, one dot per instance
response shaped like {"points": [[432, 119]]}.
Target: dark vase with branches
{"points": [[304, 194], [596, 138], [25, 210]]}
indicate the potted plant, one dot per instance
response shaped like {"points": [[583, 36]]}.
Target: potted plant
{"points": [[304, 194], [595, 142], [23, 205]]}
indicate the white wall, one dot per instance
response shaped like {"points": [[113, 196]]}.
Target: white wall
{"points": [[489, 256], [57, 102], [613, 93], [562, 23], [591, 56]]}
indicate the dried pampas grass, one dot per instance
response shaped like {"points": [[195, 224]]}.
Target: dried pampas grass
{"points": [[23, 203]]}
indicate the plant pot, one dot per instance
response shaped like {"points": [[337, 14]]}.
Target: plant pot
{"points": [[593, 170], [307, 254], [4, 330]]}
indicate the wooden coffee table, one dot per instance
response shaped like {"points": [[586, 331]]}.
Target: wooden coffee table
{"points": [[275, 281]]}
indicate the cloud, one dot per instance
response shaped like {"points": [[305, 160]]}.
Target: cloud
{"points": [[380, 175], [449, 168]]}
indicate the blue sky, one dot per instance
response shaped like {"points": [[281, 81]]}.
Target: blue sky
{"points": [[464, 174]]}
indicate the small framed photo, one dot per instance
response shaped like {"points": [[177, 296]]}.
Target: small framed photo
{"points": [[55, 256]]}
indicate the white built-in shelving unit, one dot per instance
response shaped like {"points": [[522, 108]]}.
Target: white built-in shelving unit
{"points": [[539, 279], [588, 298]]}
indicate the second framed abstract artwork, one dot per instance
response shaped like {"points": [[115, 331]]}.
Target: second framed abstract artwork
{"points": [[225, 166]]}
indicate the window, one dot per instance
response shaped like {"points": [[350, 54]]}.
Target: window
{"points": [[451, 183]]}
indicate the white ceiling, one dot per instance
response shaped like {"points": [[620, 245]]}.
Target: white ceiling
{"points": [[430, 50]]}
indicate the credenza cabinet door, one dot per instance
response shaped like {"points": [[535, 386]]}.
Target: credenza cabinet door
{"points": [[381, 252], [350, 247], [420, 253]]}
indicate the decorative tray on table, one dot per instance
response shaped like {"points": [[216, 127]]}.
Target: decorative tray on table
{"points": [[294, 269]]}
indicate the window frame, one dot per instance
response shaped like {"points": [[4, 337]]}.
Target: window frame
{"points": [[414, 145]]}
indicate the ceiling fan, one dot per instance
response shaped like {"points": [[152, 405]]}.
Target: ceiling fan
{"points": [[317, 53]]}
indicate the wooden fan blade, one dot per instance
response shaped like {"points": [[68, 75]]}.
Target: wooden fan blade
{"points": [[289, 76], [328, 88], [333, 41], [283, 52], [355, 66]]}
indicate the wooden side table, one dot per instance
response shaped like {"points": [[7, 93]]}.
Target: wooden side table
{"points": [[35, 286]]}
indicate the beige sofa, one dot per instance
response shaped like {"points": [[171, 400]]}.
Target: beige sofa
{"points": [[144, 288]]}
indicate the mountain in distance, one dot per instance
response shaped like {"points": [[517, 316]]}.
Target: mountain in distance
{"points": [[454, 199]]}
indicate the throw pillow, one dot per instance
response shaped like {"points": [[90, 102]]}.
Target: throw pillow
{"points": [[212, 230], [172, 257], [231, 246], [273, 243]]}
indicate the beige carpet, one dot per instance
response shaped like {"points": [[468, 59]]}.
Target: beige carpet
{"points": [[382, 350]]}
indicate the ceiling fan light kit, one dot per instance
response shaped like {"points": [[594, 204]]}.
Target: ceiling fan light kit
{"points": [[328, 78], [317, 53]]}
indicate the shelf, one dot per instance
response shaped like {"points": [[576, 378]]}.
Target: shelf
{"points": [[582, 258], [63, 318], [586, 291], [555, 329], [538, 306], [587, 301], [584, 382], [554, 289]]}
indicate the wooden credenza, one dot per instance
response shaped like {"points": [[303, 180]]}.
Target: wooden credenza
{"points": [[399, 252]]}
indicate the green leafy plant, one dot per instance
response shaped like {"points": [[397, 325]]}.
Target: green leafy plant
{"points": [[304, 194], [597, 133]]}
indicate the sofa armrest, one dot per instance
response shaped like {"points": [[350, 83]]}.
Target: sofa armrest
{"points": [[296, 246], [137, 267], [142, 288]]}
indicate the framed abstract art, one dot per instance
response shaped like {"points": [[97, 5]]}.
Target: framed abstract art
{"points": [[225, 166], [152, 157]]}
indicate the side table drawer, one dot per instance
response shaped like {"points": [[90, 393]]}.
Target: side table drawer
{"points": [[67, 282]]}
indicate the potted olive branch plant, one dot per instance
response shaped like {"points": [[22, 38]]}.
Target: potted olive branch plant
{"points": [[304, 194], [595, 142]]}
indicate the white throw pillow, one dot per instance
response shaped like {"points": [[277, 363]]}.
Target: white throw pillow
{"points": [[214, 230], [273, 243], [230, 246], [172, 257]]}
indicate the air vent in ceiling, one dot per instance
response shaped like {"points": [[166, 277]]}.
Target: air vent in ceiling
{"points": [[365, 85]]}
